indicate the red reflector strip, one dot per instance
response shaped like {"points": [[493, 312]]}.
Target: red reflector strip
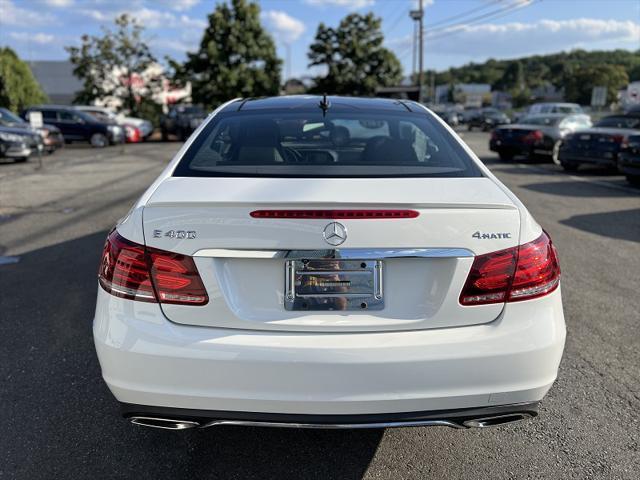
{"points": [[335, 214]]}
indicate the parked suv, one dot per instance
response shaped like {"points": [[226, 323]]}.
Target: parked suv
{"points": [[79, 126], [181, 121]]}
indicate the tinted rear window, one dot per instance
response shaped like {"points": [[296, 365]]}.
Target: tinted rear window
{"points": [[342, 144], [619, 122]]}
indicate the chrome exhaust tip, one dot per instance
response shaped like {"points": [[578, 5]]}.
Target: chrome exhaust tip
{"points": [[164, 423], [494, 421]]}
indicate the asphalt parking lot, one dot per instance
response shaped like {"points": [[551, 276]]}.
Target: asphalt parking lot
{"points": [[58, 420]]}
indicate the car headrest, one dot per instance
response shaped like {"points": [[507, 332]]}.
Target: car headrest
{"points": [[388, 150]]}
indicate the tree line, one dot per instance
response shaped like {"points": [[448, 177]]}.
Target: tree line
{"points": [[577, 72]]}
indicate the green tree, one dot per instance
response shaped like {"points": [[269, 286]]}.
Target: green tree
{"points": [[237, 57], [110, 64], [18, 88], [579, 84], [356, 63]]}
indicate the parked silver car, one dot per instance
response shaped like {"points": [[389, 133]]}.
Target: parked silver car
{"points": [[535, 136]]}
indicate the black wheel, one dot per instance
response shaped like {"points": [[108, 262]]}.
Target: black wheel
{"points": [[470, 127], [99, 140], [505, 156], [570, 167], [165, 135], [634, 180], [21, 159]]}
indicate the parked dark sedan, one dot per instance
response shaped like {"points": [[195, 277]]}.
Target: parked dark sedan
{"points": [[181, 121], [18, 144], [536, 136], [50, 136], [629, 159], [599, 145], [79, 126], [487, 118]]}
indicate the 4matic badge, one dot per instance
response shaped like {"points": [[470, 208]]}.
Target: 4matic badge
{"points": [[180, 234], [490, 236]]}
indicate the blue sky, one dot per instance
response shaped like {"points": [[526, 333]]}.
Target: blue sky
{"points": [[457, 31]]}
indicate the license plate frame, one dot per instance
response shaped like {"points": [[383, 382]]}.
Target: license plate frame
{"points": [[333, 284]]}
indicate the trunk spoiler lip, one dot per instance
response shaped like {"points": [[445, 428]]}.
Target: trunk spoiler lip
{"points": [[314, 205], [337, 253]]}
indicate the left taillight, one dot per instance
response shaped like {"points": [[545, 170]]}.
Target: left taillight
{"points": [[133, 271]]}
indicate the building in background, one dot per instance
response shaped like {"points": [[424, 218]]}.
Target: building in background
{"points": [[57, 80]]}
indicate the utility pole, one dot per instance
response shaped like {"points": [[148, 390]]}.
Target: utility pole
{"points": [[417, 16], [420, 45], [415, 56]]}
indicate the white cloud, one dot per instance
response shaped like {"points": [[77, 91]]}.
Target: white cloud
{"points": [[10, 14], [149, 18], [518, 39], [352, 4], [39, 38], [59, 3], [284, 26], [179, 5]]}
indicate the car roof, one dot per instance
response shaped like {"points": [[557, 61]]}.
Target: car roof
{"points": [[51, 107], [311, 102]]}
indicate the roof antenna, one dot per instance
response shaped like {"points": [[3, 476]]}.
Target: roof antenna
{"points": [[324, 104]]}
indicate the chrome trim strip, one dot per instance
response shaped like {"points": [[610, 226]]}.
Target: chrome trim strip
{"points": [[343, 253], [333, 426]]}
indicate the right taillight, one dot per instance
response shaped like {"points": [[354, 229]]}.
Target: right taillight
{"points": [[519, 273], [129, 270]]}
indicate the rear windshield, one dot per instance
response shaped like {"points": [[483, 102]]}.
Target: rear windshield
{"points": [[619, 122], [339, 145], [541, 120]]}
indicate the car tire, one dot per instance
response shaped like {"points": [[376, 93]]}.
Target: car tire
{"points": [[164, 135], [505, 156], [20, 159], [570, 167], [99, 140], [470, 127], [555, 153], [634, 180]]}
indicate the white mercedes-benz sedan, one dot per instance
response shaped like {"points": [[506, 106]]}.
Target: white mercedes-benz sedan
{"points": [[328, 262]]}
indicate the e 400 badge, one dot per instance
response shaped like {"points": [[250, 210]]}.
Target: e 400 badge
{"points": [[179, 234]]}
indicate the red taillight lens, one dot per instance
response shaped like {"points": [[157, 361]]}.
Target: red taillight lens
{"points": [[514, 274], [538, 270], [176, 278], [533, 137], [129, 270], [335, 214]]}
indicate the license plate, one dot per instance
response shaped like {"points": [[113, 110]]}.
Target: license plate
{"points": [[333, 284], [585, 137]]}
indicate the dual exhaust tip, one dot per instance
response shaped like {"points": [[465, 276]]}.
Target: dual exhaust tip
{"points": [[480, 422]]}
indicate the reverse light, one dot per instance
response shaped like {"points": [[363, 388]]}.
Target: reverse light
{"points": [[514, 274], [335, 214], [129, 270]]}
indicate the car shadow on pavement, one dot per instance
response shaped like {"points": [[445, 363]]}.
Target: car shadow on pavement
{"points": [[577, 188], [59, 420], [622, 224]]}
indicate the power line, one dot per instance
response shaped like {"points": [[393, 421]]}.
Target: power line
{"points": [[496, 15], [463, 14]]}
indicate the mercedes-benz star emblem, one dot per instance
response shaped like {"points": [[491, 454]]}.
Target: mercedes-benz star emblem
{"points": [[335, 233]]}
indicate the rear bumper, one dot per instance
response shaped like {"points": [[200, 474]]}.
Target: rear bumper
{"points": [[147, 360], [457, 418], [574, 158], [629, 165]]}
